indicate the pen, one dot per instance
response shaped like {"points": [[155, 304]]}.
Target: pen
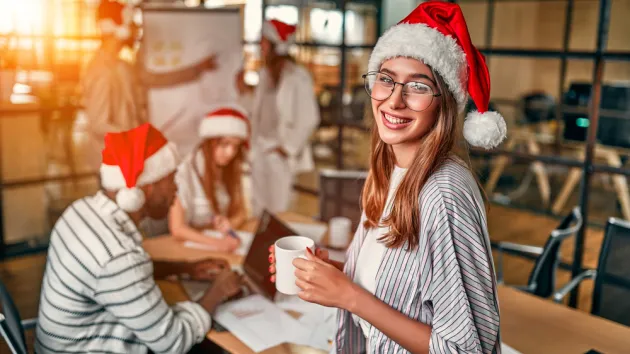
{"points": [[230, 232]]}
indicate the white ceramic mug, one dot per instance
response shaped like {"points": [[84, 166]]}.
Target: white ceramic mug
{"points": [[339, 229], [287, 249]]}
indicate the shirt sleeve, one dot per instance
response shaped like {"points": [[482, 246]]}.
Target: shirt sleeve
{"points": [[126, 289], [300, 116], [462, 286], [97, 102]]}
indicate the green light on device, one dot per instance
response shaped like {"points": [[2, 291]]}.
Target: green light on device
{"points": [[582, 122]]}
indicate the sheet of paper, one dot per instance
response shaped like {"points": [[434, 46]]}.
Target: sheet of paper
{"points": [[313, 231], [246, 242], [321, 321], [260, 324]]}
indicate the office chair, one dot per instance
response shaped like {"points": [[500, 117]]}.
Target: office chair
{"points": [[340, 194], [11, 325], [611, 291], [542, 279]]}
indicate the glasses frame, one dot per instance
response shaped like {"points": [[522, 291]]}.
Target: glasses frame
{"points": [[402, 93]]}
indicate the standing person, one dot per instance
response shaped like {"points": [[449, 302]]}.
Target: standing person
{"points": [[419, 274], [98, 291], [284, 116], [113, 89], [210, 181]]}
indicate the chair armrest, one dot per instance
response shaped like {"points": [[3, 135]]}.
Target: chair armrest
{"points": [[510, 246], [560, 294], [501, 247], [29, 323]]}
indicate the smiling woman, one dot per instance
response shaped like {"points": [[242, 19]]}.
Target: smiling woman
{"points": [[419, 274]]}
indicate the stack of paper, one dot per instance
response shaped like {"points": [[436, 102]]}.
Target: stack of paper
{"points": [[246, 242], [260, 324]]}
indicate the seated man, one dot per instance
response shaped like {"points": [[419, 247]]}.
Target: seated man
{"points": [[98, 292]]}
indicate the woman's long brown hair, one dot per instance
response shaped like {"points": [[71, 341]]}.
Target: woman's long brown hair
{"points": [[436, 147], [231, 177]]}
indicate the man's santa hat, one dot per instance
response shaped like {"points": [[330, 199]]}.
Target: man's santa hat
{"points": [[114, 18], [225, 121], [436, 34], [135, 158], [282, 35]]}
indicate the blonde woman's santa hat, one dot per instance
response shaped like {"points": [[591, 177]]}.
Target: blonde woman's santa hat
{"points": [[281, 34], [115, 18], [436, 34], [226, 121], [135, 158]]}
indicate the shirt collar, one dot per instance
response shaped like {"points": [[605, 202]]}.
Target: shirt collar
{"points": [[108, 209]]}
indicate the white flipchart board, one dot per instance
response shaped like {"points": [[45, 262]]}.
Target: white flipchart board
{"points": [[176, 38]]}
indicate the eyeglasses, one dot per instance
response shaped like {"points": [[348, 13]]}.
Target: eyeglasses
{"points": [[417, 96]]}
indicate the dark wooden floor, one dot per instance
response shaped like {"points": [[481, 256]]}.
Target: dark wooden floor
{"points": [[23, 275]]}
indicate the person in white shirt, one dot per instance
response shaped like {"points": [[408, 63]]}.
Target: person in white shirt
{"points": [[285, 114], [113, 90], [210, 181], [98, 291]]}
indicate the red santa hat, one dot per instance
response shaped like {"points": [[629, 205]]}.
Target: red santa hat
{"points": [[436, 34], [282, 35], [225, 121], [135, 158], [115, 19]]}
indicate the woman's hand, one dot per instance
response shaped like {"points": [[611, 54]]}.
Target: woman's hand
{"points": [[230, 244], [322, 283], [221, 224], [319, 253]]}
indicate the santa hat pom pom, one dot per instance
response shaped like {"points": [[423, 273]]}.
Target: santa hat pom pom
{"points": [[486, 130], [130, 199]]}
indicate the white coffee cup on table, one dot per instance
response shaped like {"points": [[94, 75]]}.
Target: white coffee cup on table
{"points": [[339, 229], [286, 250]]}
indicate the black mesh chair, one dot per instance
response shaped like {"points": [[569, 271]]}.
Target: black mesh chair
{"points": [[340, 194], [611, 292], [11, 324], [542, 279]]}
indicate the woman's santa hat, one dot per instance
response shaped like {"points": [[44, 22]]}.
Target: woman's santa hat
{"points": [[225, 121], [282, 35], [436, 34], [135, 158], [114, 18]]}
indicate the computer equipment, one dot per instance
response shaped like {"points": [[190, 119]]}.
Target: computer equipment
{"points": [[256, 264], [614, 121]]}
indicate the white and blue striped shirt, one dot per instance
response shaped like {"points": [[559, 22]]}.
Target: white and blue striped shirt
{"points": [[447, 282], [99, 295]]}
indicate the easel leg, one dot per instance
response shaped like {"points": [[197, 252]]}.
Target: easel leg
{"points": [[499, 165], [620, 182]]}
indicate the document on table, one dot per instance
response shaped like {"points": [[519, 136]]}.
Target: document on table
{"points": [[313, 231], [260, 324], [320, 320], [246, 242]]}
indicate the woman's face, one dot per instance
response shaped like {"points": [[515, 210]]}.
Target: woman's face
{"points": [[397, 124], [225, 150]]}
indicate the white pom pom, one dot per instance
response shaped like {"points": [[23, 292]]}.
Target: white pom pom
{"points": [[486, 130], [130, 199]]}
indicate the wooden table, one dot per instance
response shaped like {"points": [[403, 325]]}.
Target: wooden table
{"points": [[167, 248], [528, 324], [533, 325]]}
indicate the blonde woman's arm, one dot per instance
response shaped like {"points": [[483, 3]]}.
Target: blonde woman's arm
{"points": [[181, 230]]}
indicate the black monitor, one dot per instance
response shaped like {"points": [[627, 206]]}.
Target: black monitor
{"points": [[613, 128]]}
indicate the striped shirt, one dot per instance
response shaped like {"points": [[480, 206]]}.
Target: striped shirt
{"points": [[98, 293], [447, 282]]}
